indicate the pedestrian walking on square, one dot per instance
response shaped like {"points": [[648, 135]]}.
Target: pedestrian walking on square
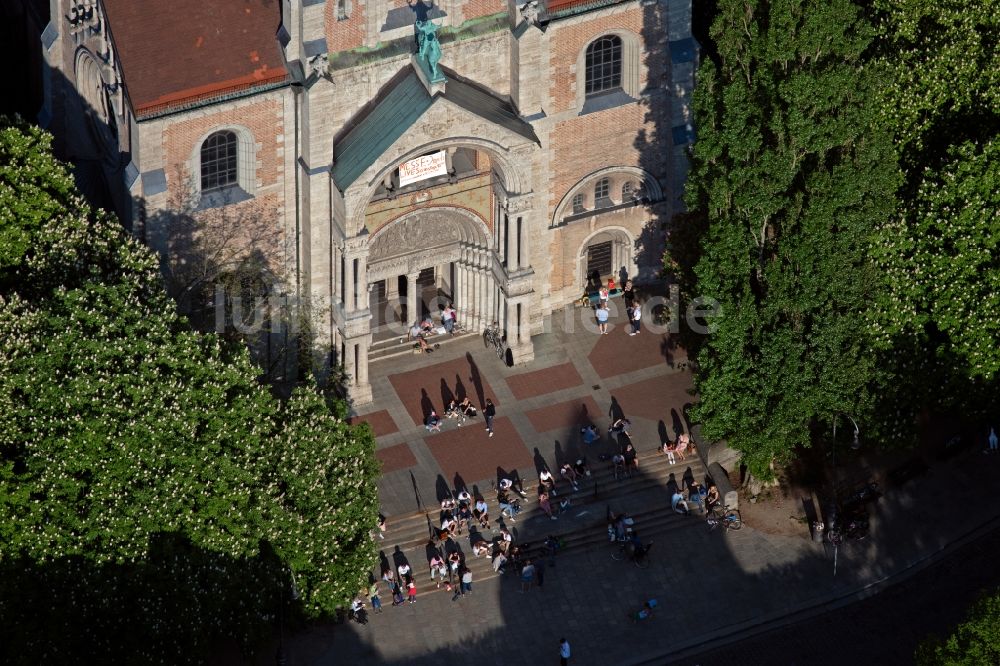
{"points": [[374, 598], [489, 412], [411, 591], [564, 652], [602, 319]]}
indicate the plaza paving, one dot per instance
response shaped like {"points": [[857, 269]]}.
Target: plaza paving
{"points": [[713, 587]]}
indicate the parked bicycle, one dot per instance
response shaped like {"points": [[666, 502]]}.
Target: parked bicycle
{"points": [[639, 554], [728, 518], [494, 337]]}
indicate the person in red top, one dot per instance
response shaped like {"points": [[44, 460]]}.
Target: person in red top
{"points": [[411, 592]]}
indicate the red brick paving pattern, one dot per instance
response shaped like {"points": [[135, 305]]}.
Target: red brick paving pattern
{"points": [[421, 390], [474, 455], [396, 457], [381, 422], [529, 384], [617, 353], [653, 398], [567, 414]]}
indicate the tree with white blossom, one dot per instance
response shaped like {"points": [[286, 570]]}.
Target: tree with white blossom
{"points": [[154, 497]]}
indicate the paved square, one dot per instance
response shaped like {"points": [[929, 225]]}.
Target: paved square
{"points": [[432, 387], [618, 353], [396, 457], [475, 456], [570, 414], [381, 422], [558, 377], [654, 398]]}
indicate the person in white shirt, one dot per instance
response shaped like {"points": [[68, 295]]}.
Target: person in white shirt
{"points": [[564, 652], [547, 480]]}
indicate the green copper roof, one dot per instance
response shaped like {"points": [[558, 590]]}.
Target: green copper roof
{"points": [[400, 107], [388, 120]]}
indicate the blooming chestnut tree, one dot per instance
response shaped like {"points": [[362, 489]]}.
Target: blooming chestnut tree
{"points": [[154, 497]]}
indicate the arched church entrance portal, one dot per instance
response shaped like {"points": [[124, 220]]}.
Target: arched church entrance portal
{"points": [[425, 260]]}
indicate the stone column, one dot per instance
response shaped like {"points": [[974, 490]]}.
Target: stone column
{"points": [[523, 237], [362, 379], [348, 283], [412, 307], [349, 363], [512, 244], [363, 286]]}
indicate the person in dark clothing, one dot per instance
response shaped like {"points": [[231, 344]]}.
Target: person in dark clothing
{"points": [[489, 412]]}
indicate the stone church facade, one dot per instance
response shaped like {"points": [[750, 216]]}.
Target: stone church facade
{"points": [[309, 134]]}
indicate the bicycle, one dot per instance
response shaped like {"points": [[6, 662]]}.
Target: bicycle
{"points": [[493, 337], [729, 518], [638, 554]]}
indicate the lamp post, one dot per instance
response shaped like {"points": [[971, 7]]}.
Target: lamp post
{"points": [[855, 445], [279, 657]]}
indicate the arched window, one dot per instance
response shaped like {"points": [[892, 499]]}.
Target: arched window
{"points": [[578, 206], [628, 191], [218, 161], [602, 189], [604, 65]]}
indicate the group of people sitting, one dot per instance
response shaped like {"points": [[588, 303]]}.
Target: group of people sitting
{"points": [[463, 410], [677, 450], [423, 329], [698, 497]]}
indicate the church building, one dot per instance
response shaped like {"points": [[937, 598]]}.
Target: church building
{"points": [[377, 159]]}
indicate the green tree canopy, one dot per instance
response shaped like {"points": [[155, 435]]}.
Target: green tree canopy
{"points": [[974, 642], [933, 325], [153, 496], [793, 173]]}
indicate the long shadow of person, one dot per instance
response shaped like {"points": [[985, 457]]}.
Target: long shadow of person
{"points": [[426, 406], [672, 486], [441, 489], [476, 379], [446, 395], [399, 558], [561, 456], [615, 411], [460, 391], [675, 418], [383, 562], [459, 483], [661, 429], [539, 460], [667, 349], [688, 477]]}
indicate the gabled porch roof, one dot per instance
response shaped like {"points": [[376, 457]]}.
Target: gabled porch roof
{"points": [[401, 106]]}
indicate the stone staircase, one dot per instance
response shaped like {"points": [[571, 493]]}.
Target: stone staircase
{"points": [[583, 525], [395, 346]]}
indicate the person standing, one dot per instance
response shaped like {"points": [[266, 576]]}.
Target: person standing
{"points": [[628, 293], [411, 591], [993, 440], [489, 412], [448, 319], [602, 318], [635, 314], [527, 576], [374, 598], [564, 652]]}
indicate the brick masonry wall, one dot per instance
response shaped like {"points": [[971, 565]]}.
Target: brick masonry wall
{"points": [[569, 38], [475, 8], [347, 34], [233, 230]]}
